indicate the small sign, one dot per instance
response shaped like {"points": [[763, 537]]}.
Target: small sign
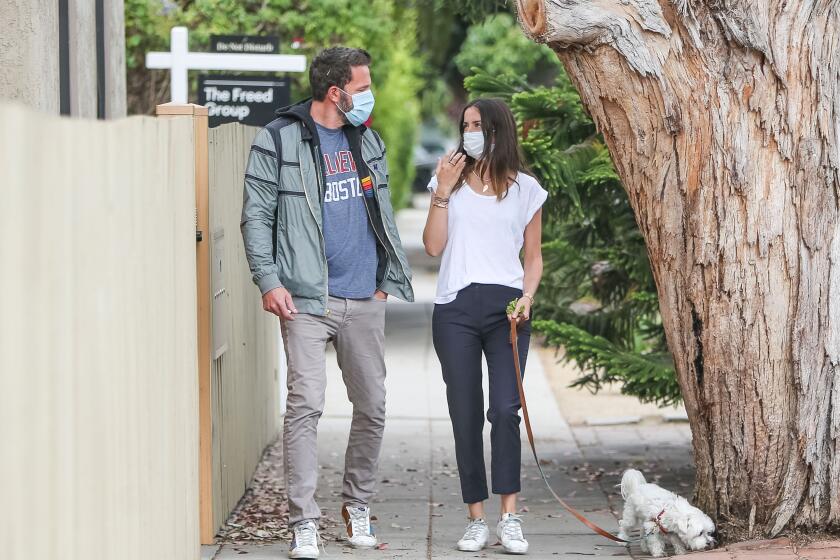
{"points": [[244, 99], [244, 44], [179, 61]]}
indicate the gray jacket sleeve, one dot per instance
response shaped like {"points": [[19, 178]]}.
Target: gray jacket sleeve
{"points": [[259, 212]]}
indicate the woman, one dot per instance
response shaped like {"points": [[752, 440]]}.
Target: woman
{"points": [[484, 209]]}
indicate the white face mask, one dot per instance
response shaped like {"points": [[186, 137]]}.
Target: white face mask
{"points": [[474, 144]]}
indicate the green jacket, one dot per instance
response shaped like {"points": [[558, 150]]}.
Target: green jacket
{"points": [[282, 210]]}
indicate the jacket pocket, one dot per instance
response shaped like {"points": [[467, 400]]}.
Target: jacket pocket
{"points": [[299, 256]]}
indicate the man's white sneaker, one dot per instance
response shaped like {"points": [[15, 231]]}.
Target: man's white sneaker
{"points": [[509, 531], [305, 540], [475, 537], [357, 521]]}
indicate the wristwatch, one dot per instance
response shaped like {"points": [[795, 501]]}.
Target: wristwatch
{"points": [[529, 296]]}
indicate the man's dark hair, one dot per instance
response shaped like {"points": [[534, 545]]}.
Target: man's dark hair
{"points": [[332, 67]]}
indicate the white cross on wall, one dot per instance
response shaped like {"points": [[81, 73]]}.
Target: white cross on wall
{"points": [[180, 61]]}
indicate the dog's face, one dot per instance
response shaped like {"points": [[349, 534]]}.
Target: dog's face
{"points": [[696, 530]]}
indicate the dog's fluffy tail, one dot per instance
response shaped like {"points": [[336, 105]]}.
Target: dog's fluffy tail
{"points": [[630, 482]]}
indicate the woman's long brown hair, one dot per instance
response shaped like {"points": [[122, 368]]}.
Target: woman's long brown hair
{"points": [[502, 158]]}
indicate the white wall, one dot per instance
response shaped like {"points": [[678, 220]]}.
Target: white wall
{"points": [[29, 55]]}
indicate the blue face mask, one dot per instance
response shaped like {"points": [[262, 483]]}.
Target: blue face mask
{"points": [[362, 107]]}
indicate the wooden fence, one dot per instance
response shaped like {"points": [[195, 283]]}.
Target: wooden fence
{"points": [[98, 367], [139, 378], [247, 373]]}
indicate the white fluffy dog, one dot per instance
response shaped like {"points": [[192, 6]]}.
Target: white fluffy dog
{"points": [[662, 516]]}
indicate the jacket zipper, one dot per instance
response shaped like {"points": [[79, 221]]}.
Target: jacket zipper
{"points": [[387, 256], [320, 232], [385, 229]]}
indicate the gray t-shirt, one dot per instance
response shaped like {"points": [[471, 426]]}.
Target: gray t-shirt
{"points": [[348, 235]]}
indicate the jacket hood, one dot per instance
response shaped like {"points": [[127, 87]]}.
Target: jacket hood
{"points": [[299, 110]]}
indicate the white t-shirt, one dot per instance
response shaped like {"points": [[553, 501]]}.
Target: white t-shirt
{"points": [[486, 236]]}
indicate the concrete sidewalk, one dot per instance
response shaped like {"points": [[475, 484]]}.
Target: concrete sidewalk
{"points": [[419, 510], [419, 513]]}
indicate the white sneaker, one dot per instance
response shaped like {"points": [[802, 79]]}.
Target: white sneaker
{"points": [[357, 521], [305, 540], [509, 531], [475, 537]]}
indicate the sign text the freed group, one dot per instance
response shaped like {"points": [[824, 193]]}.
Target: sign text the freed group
{"points": [[248, 100]]}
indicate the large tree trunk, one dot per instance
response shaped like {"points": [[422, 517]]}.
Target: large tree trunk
{"points": [[723, 119]]}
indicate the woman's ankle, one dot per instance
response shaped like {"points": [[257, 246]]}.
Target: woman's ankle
{"points": [[508, 503], [475, 511]]}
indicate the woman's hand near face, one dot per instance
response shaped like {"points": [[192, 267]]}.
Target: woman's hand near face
{"points": [[448, 172]]}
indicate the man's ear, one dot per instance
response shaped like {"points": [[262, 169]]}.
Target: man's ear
{"points": [[340, 98], [333, 94]]}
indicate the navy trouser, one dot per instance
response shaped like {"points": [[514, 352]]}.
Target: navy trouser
{"points": [[477, 322]]}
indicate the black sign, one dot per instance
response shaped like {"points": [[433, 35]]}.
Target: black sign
{"points": [[243, 99], [244, 44]]}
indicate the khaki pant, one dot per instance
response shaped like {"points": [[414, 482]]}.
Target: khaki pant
{"points": [[357, 330]]}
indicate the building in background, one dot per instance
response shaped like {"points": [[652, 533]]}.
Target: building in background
{"points": [[64, 56]]}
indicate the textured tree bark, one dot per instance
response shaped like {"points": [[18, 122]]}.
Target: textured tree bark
{"points": [[723, 119]]}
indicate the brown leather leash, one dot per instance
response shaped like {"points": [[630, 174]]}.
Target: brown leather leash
{"points": [[514, 340]]}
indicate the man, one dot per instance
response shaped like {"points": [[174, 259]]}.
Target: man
{"points": [[324, 250]]}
